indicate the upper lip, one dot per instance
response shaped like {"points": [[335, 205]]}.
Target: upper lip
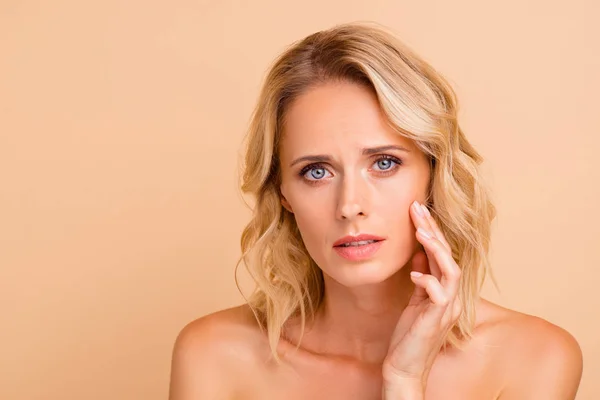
{"points": [[357, 238]]}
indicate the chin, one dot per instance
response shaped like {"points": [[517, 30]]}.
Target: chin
{"points": [[364, 273]]}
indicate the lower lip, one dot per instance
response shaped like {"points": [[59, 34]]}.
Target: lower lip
{"points": [[356, 253]]}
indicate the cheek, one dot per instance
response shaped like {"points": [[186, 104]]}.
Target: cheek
{"points": [[312, 221], [310, 212], [313, 230], [393, 209], [396, 213], [393, 201]]}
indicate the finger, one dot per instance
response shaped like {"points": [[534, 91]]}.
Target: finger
{"points": [[432, 317], [433, 287], [435, 228], [445, 261], [420, 221], [440, 236]]}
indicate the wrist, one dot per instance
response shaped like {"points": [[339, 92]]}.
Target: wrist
{"points": [[404, 386], [403, 391]]}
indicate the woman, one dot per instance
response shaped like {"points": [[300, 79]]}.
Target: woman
{"points": [[368, 243]]}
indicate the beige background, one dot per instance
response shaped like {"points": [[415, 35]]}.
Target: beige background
{"points": [[120, 126]]}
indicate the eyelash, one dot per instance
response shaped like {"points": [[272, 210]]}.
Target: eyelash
{"points": [[310, 167]]}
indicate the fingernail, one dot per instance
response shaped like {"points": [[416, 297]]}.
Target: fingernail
{"points": [[426, 211], [424, 233], [418, 208], [415, 274]]}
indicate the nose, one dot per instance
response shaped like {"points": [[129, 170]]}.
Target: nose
{"points": [[352, 201]]}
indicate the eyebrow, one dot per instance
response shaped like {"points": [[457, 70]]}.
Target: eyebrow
{"points": [[365, 152]]}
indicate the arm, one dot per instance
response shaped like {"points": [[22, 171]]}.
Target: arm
{"points": [[197, 365], [549, 369]]}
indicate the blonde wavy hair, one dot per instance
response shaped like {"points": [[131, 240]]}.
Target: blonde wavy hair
{"points": [[421, 105]]}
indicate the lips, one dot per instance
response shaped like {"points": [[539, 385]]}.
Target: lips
{"points": [[353, 240], [358, 248]]}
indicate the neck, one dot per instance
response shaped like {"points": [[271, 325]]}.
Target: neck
{"points": [[358, 322]]}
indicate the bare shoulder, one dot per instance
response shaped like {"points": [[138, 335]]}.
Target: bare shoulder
{"points": [[540, 359], [211, 352]]}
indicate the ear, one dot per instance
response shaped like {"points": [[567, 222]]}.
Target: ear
{"points": [[286, 205], [284, 202]]}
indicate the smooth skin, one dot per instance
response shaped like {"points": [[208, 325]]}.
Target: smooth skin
{"points": [[379, 330]]}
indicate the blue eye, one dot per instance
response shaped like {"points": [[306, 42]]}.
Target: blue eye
{"points": [[314, 173], [386, 163]]}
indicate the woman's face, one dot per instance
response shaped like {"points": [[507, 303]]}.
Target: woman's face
{"points": [[345, 172]]}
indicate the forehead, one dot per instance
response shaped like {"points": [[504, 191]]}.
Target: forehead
{"points": [[337, 115]]}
